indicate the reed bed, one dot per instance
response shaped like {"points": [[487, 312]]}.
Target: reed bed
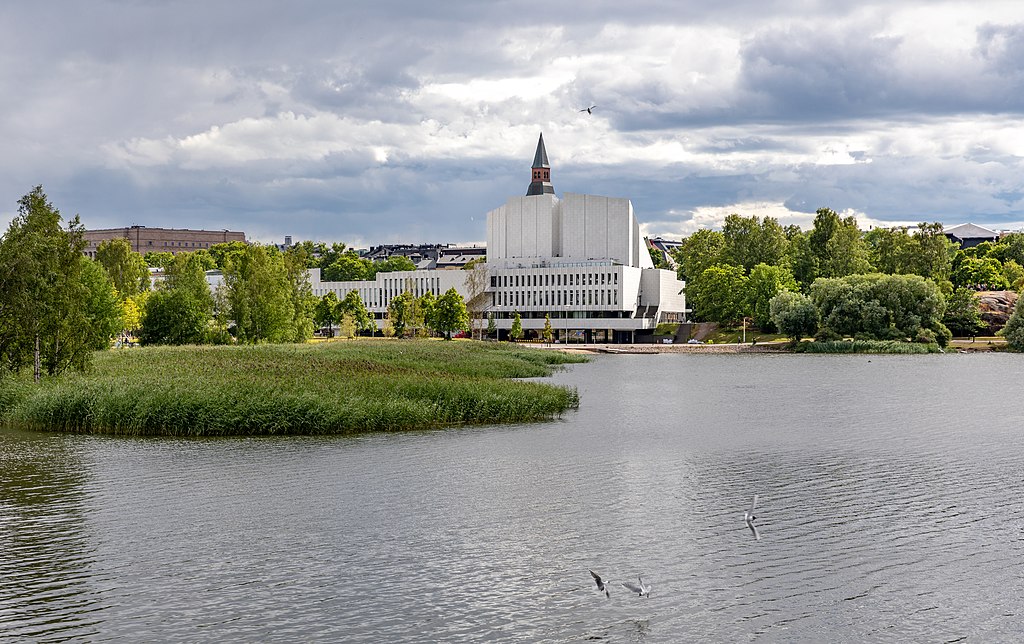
{"points": [[866, 346], [327, 388]]}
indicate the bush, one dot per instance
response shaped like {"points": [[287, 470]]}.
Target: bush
{"points": [[1014, 329]]}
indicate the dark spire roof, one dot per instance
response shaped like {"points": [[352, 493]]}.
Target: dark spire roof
{"points": [[540, 183], [540, 160]]}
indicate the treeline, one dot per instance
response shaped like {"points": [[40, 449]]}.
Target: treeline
{"points": [[58, 306], [838, 281]]}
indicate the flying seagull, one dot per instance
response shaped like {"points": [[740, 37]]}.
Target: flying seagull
{"points": [[602, 584], [643, 590], [748, 518], [587, 109]]}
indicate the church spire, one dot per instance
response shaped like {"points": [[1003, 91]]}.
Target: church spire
{"points": [[540, 183]]}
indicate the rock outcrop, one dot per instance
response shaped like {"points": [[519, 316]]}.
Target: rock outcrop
{"points": [[996, 308]]}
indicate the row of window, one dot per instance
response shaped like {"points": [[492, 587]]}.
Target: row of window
{"points": [[554, 279], [587, 297]]}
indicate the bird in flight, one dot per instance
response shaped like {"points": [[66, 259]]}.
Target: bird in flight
{"points": [[588, 109], [602, 584], [641, 590], [748, 518]]}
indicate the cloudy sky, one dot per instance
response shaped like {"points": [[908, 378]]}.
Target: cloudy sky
{"points": [[406, 121]]}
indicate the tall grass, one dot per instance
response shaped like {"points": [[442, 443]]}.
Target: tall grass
{"points": [[865, 346], [329, 388]]}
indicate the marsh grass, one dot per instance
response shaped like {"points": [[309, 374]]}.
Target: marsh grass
{"points": [[865, 346], [328, 388]]}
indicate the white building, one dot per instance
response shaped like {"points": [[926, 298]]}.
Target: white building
{"points": [[579, 260]]}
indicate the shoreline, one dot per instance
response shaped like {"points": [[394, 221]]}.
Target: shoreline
{"points": [[955, 346]]}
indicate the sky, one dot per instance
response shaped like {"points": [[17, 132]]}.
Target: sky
{"points": [[402, 121]]}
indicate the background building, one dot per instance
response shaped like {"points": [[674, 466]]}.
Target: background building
{"points": [[160, 240], [579, 260]]}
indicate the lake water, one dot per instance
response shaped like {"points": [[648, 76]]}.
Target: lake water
{"points": [[890, 509]]}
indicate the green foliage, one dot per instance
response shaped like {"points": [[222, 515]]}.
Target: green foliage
{"points": [[346, 267], [225, 253], [1014, 274], [876, 306], [845, 252], [516, 333], [492, 327], [549, 333], [259, 295], [475, 263], [985, 273], [449, 314], [155, 259], [750, 241], [1014, 329], [802, 261], [865, 346], [174, 316], [327, 388], [763, 284], [794, 315], [102, 306], [697, 252], [390, 265], [718, 294], [401, 312], [43, 316], [126, 268], [325, 311], [963, 315], [353, 308], [300, 294]]}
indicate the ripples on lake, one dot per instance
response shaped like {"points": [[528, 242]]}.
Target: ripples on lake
{"points": [[889, 509]]}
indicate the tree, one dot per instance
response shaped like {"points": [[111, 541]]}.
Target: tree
{"points": [[549, 334], [697, 252], [325, 312], [492, 328], [517, 328], [934, 252], [131, 312], [477, 297], [390, 265], [103, 309], [259, 295], [155, 259], [348, 267], [300, 294], [963, 315], [423, 320], [802, 261], [846, 253], [400, 312], [891, 250], [750, 241], [877, 306], [719, 293], [794, 314], [387, 329], [126, 268], [173, 316], [1014, 329], [1014, 274], [983, 274], [181, 309], [763, 284], [224, 253], [42, 296], [352, 307], [346, 327], [449, 314]]}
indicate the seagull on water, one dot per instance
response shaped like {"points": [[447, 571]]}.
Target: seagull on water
{"points": [[602, 584], [642, 590], [588, 109], [748, 518]]}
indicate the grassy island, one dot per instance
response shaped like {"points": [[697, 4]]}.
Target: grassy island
{"points": [[327, 388]]}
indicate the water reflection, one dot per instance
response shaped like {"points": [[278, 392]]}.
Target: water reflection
{"points": [[46, 576], [888, 508]]}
